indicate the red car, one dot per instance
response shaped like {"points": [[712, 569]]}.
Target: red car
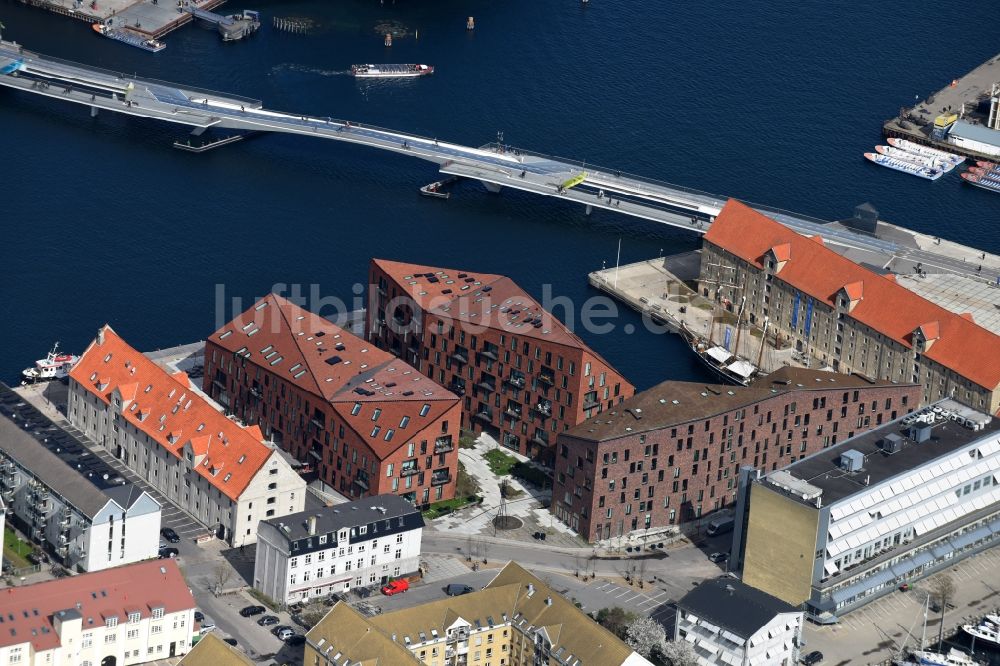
{"points": [[395, 587]]}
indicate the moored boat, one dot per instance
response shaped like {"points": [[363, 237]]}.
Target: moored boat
{"points": [[985, 630], [916, 158], [979, 181], [55, 365], [987, 165], [906, 167], [129, 37], [390, 71], [919, 149], [954, 657]]}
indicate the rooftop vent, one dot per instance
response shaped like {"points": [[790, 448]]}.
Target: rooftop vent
{"points": [[920, 432], [891, 443]]}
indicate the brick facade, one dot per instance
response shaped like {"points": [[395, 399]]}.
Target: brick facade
{"points": [[368, 423], [672, 454], [521, 375]]}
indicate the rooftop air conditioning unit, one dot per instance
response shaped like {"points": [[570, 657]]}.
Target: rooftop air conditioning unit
{"points": [[852, 461]]}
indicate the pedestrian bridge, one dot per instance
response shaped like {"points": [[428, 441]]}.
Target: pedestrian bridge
{"points": [[495, 165]]}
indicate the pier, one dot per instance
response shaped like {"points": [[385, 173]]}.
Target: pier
{"points": [[496, 165], [151, 20], [963, 97]]}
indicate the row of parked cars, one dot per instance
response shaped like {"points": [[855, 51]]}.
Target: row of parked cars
{"points": [[283, 632]]}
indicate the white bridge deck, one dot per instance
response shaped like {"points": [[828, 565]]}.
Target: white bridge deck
{"points": [[497, 166]]}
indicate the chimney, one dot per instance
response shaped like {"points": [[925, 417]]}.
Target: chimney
{"points": [[548, 601], [531, 589], [100, 336], [312, 525]]}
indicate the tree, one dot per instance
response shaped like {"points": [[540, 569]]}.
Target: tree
{"points": [[943, 590], [615, 620], [679, 653], [645, 635], [223, 572]]}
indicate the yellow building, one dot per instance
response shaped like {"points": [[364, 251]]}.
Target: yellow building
{"points": [[212, 651], [516, 620]]}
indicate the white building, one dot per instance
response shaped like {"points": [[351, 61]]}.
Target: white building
{"points": [[357, 544], [853, 522], [979, 138], [86, 523], [728, 622], [221, 473], [118, 617]]}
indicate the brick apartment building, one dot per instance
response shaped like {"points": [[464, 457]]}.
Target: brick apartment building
{"points": [[369, 423], [522, 375], [849, 317], [672, 454]]}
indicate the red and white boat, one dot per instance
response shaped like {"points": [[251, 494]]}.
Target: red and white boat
{"points": [[55, 365], [390, 71]]}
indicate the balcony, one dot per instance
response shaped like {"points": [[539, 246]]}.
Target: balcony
{"points": [[361, 483], [491, 354], [590, 403], [320, 425], [513, 412], [547, 377], [516, 382], [440, 479], [443, 445], [458, 635], [540, 438], [484, 416], [487, 386], [460, 356], [457, 389], [543, 409], [409, 471]]}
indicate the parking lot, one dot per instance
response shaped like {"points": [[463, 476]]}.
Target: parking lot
{"points": [[878, 630]]}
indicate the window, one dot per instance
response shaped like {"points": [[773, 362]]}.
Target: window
{"points": [[133, 618], [132, 633], [112, 621], [157, 613], [88, 640], [15, 655], [110, 638], [156, 629]]}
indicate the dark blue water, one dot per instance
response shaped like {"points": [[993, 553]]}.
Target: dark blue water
{"points": [[769, 101]]}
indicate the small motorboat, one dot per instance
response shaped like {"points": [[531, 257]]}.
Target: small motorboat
{"points": [[437, 189]]}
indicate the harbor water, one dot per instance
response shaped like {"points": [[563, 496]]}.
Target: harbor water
{"points": [[770, 102]]}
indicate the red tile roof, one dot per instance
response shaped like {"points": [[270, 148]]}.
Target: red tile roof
{"points": [[164, 407], [480, 299], [887, 307], [28, 610], [338, 367]]}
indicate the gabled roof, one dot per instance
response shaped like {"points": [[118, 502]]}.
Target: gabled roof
{"points": [[482, 299], [336, 366], [29, 611], [855, 290], [733, 605], [887, 307], [233, 455], [212, 651], [346, 632]]}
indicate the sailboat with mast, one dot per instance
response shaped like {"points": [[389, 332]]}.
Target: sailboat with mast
{"points": [[953, 657], [731, 367]]}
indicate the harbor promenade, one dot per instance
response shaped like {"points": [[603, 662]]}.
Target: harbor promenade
{"points": [[663, 299], [153, 19], [960, 96]]}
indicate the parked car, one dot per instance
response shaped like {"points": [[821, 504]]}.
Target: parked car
{"points": [[280, 628], [231, 641], [207, 625], [540, 536], [170, 535], [395, 587], [250, 611], [457, 590], [168, 552], [812, 658], [268, 620], [718, 557], [285, 633], [295, 639]]}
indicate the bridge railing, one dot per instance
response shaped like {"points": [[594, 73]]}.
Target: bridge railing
{"points": [[248, 101], [721, 199]]}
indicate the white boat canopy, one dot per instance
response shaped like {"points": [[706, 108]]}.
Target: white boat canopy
{"points": [[744, 369], [720, 354]]}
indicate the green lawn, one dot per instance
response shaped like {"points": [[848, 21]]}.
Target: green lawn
{"points": [[15, 551], [444, 507], [500, 463]]}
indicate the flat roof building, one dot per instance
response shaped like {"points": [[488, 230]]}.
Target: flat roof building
{"points": [[50, 497], [523, 376], [851, 523], [671, 454], [223, 474], [730, 623], [516, 619], [849, 317], [368, 422], [315, 553]]}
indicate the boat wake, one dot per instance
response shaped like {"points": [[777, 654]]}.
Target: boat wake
{"points": [[303, 69]]}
